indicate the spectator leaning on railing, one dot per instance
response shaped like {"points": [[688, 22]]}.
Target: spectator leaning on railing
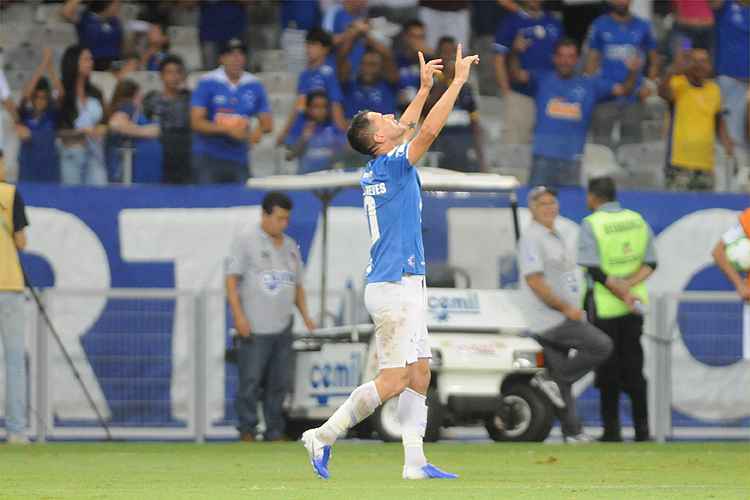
{"points": [[695, 105], [126, 126], [170, 108], [222, 107], [615, 38], [37, 126], [532, 34]]}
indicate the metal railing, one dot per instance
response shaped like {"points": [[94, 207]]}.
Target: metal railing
{"points": [[154, 362]]}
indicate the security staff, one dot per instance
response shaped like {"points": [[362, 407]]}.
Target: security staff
{"points": [[616, 247], [263, 283], [572, 346], [12, 321]]}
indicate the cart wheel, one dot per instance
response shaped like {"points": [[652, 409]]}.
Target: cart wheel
{"points": [[523, 414]]}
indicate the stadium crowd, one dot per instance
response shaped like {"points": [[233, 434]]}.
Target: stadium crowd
{"points": [[111, 91]]}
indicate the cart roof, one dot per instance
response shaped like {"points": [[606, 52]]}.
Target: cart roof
{"points": [[433, 179]]}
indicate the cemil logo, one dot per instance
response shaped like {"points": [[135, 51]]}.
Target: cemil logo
{"points": [[442, 306]]}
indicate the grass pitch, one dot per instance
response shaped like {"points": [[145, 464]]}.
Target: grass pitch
{"points": [[372, 470]]}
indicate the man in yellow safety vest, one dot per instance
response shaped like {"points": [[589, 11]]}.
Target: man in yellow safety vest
{"points": [[616, 248]]}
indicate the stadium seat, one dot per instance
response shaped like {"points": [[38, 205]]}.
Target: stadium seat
{"points": [[599, 161], [264, 158], [513, 159], [281, 104], [183, 35], [106, 82], [279, 81], [13, 35], [49, 13], [190, 54], [24, 56], [148, 80], [17, 78], [644, 163], [271, 60], [18, 13], [59, 35]]}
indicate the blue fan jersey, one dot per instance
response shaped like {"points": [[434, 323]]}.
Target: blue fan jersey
{"points": [[393, 204]]}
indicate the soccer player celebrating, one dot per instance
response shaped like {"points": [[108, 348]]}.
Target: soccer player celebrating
{"points": [[395, 292]]}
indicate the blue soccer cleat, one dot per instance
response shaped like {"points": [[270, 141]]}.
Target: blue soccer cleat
{"points": [[318, 452], [427, 471]]}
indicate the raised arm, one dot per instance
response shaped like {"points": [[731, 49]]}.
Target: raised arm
{"points": [[720, 257], [438, 115], [427, 72], [69, 10]]}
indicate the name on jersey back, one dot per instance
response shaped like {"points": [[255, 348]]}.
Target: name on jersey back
{"points": [[375, 189]]}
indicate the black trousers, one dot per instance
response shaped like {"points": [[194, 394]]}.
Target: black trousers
{"points": [[623, 372], [591, 346]]}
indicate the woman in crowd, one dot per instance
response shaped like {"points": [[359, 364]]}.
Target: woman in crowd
{"points": [[130, 129], [80, 123]]}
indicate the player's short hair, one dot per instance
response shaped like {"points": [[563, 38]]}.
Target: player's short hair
{"points": [[413, 23], [276, 199], [360, 133], [171, 59], [317, 35], [565, 42], [603, 188]]}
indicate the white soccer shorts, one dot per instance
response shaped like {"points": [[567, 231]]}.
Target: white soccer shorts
{"points": [[399, 310]]}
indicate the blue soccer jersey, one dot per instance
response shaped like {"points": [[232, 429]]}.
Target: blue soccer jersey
{"points": [[563, 112], [617, 42], [733, 40], [227, 103], [393, 205], [322, 77], [542, 33]]}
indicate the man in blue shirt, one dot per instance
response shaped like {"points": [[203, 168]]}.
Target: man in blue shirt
{"points": [[374, 88], [319, 75], [407, 59], [99, 29], [222, 106], [395, 291], [613, 39], [532, 33], [564, 104], [733, 63], [348, 25]]}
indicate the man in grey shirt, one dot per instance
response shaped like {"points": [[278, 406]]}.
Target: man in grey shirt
{"points": [[572, 347], [264, 282]]}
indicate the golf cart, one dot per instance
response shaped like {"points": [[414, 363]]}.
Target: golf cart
{"points": [[484, 369]]}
